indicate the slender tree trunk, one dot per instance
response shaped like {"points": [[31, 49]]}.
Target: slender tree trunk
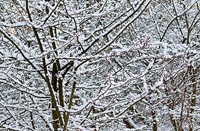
{"points": [[155, 126], [193, 73], [55, 118], [173, 121]]}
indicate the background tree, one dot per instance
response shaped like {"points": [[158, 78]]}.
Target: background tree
{"points": [[99, 65]]}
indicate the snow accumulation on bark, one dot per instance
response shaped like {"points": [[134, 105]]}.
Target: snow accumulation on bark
{"points": [[99, 65]]}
